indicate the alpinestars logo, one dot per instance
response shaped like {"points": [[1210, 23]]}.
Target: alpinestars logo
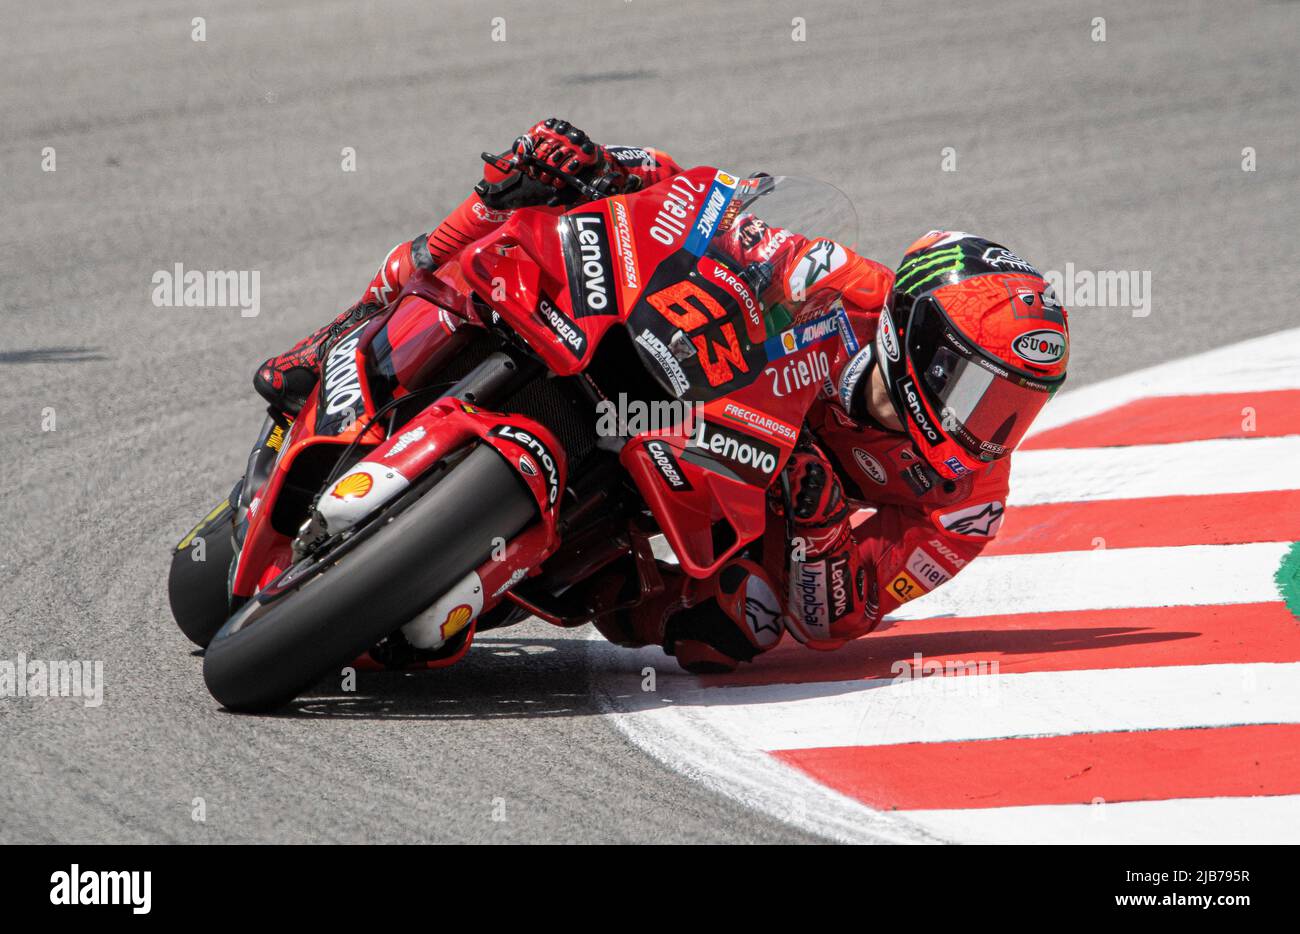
{"points": [[916, 409], [983, 520], [822, 258], [762, 611], [587, 256]]}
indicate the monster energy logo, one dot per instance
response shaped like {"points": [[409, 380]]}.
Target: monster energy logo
{"points": [[921, 269]]}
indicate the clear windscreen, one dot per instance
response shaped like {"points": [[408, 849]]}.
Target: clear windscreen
{"points": [[804, 206]]}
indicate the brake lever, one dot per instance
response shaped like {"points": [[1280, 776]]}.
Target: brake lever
{"points": [[513, 166], [587, 191], [497, 162]]}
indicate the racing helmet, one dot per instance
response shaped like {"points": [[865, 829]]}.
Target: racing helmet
{"points": [[972, 342]]}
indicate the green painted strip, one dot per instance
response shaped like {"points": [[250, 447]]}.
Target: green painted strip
{"points": [[1288, 580]]}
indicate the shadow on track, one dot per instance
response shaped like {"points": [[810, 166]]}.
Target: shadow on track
{"points": [[52, 355], [499, 679], [530, 678]]}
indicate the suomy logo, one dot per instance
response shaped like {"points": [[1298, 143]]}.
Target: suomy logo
{"points": [[888, 340], [1043, 346], [870, 466]]}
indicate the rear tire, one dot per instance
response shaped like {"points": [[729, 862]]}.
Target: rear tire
{"points": [[266, 655]]}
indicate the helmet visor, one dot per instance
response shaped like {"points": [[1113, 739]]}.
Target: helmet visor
{"points": [[983, 404]]}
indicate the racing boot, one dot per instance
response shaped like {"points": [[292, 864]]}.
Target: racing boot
{"points": [[286, 380]]}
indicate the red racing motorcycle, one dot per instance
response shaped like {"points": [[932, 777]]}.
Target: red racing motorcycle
{"points": [[468, 460]]}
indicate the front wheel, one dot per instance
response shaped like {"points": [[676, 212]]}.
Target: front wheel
{"points": [[267, 654], [200, 569]]}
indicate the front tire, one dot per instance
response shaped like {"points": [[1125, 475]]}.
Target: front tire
{"points": [[199, 576], [266, 655]]}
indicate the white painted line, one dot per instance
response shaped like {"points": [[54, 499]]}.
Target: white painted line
{"points": [[686, 741], [1262, 363], [1179, 821], [1189, 468], [1039, 703], [1187, 575]]}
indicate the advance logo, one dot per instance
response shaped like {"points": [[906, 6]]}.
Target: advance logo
{"points": [[715, 204], [78, 887]]}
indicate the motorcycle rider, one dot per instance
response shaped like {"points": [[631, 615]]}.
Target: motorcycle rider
{"points": [[948, 361]]}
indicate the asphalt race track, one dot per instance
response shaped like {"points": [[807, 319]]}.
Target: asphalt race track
{"points": [[1122, 155]]}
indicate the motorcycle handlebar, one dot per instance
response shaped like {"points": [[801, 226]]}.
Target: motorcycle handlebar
{"points": [[514, 166]]}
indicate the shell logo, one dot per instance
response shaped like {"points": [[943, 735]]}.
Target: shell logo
{"points": [[353, 486], [457, 620]]}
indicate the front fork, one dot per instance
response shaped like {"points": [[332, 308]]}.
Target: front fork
{"points": [[261, 461], [446, 427]]}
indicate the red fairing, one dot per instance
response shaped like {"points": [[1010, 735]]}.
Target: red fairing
{"points": [[525, 267], [449, 425]]}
